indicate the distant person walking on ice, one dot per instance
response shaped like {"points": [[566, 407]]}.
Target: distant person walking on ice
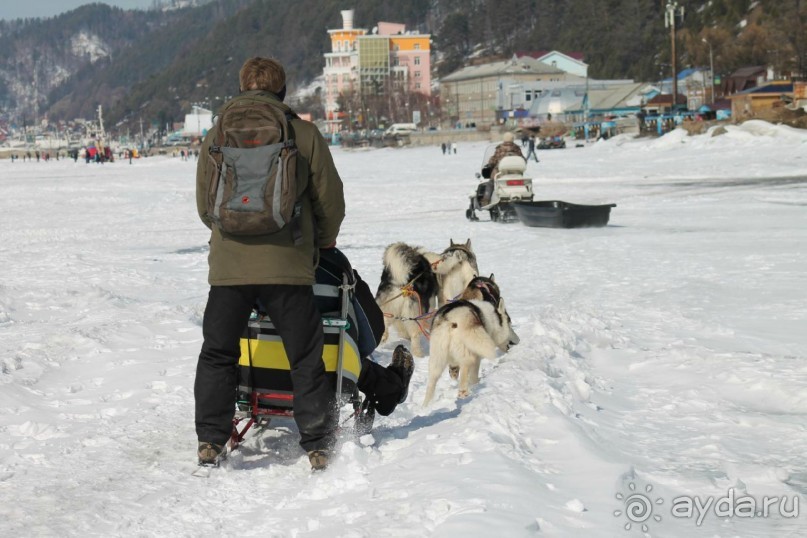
{"points": [[532, 149]]}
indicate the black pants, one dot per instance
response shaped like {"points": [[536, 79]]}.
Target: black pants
{"points": [[487, 193], [294, 313]]}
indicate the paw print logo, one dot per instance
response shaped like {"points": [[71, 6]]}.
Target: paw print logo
{"points": [[638, 507]]}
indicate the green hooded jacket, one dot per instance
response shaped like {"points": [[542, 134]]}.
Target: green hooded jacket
{"points": [[274, 259]]}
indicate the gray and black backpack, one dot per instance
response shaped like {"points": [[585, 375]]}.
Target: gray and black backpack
{"points": [[256, 174]]}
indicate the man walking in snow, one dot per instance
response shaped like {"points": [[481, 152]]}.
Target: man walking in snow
{"points": [[276, 270]]}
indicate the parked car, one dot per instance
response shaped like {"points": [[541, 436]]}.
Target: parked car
{"points": [[554, 142]]}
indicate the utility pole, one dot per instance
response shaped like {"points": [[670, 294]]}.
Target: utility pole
{"points": [[101, 121], [673, 10], [586, 110], [711, 73], [36, 102]]}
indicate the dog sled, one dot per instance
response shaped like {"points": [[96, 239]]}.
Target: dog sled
{"points": [[509, 185], [351, 332], [558, 214]]}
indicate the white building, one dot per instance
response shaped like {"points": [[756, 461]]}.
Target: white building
{"points": [[198, 122], [578, 102]]}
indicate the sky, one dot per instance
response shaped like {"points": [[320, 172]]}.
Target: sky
{"points": [[661, 357], [13, 9]]}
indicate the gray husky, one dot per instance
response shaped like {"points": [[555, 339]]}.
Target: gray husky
{"points": [[455, 268]]}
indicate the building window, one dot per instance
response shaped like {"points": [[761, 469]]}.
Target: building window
{"points": [[417, 74], [417, 85], [417, 46], [417, 60]]}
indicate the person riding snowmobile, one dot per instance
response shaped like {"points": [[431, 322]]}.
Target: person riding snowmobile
{"points": [[489, 171]]}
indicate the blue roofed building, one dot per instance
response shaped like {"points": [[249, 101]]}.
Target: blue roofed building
{"points": [[749, 103], [693, 83]]}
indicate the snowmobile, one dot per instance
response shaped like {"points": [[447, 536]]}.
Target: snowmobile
{"points": [[509, 185]]}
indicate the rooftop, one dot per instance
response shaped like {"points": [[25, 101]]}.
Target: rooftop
{"points": [[508, 67]]}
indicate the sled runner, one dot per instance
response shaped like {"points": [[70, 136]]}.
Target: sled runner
{"points": [[264, 384]]}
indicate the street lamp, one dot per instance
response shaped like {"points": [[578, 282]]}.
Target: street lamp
{"points": [[711, 73]]}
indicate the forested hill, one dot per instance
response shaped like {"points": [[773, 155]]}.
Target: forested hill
{"points": [[152, 65]]}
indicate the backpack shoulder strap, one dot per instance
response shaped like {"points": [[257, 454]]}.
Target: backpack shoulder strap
{"points": [[290, 137], [296, 220]]}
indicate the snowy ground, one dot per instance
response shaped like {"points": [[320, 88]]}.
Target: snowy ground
{"points": [[661, 351]]}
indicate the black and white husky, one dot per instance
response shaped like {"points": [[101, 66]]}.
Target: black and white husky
{"points": [[463, 333], [407, 291], [482, 288]]}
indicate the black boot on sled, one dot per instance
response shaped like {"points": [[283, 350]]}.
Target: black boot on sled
{"points": [[402, 364]]}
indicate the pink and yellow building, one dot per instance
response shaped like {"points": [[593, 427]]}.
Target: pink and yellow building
{"points": [[387, 57]]}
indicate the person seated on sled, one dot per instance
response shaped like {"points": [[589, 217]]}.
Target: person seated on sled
{"points": [[489, 171], [383, 387]]}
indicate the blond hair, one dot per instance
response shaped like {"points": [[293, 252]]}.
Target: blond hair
{"points": [[262, 74]]}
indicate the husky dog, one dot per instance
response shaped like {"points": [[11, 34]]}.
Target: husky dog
{"points": [[434, 259], [455, 268], [463, 332], [482, 288], [407, 290]]}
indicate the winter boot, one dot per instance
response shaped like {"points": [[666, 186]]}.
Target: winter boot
{"points": [[318, 459], [402, 364], [209, 453]]}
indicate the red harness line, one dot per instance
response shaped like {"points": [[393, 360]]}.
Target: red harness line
{"points": [[406, 291]]}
